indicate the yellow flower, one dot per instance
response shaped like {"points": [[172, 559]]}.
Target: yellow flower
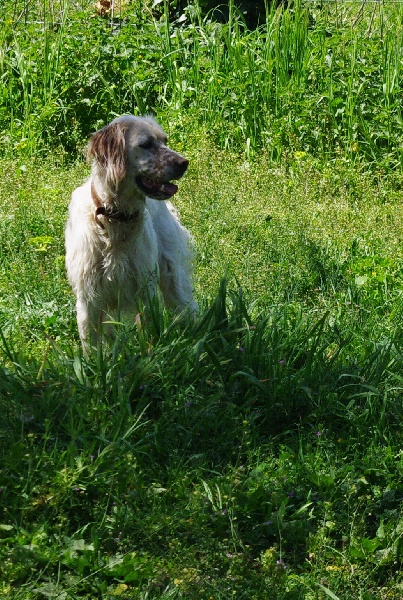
{"points": [[120, 589]]}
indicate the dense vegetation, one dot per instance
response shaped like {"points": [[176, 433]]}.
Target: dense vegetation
{"points": [[324, 80], [255, 453]]}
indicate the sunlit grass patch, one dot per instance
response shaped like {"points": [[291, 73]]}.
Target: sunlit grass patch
{"points": [[316, 79]]}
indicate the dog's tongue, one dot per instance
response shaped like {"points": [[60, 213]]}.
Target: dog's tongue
{"points": [[165, 188]]}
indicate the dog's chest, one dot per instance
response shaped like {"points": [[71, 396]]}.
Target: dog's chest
{"points": [[127, 268]]}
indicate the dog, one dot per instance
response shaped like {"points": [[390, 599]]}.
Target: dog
{"points": [[123, 237]]}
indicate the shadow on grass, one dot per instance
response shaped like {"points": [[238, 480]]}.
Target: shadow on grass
{"points": [[220, 442], [193, 384]]}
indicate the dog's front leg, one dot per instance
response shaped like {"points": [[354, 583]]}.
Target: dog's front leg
{"points": [[89, 321], [176, 286]]}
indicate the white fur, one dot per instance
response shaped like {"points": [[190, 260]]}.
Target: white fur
{"points": [[112, 263]]}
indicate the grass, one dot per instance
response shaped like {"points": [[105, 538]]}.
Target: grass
{"points": [[255, 453], [318, 79], [268, 224]]}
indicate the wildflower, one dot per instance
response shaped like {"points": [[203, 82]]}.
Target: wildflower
{"points": [[291, 495], [230, 555], [241, 349], [280, 564], [281, 362], [318, 433], [41, 243]]}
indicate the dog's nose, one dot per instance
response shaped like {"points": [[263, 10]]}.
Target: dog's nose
{"points": [[181, 166]]}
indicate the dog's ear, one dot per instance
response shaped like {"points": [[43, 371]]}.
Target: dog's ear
{"points": [[108, 148]]}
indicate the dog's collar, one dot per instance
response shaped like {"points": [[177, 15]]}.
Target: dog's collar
{"points": [[115, 215]]}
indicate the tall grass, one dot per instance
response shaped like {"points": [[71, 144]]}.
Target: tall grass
{"points": [[32, 99], [238, 454], [282, 86]]}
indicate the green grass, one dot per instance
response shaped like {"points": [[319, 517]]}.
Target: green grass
{"points": [[256, 453], [319, 79]]}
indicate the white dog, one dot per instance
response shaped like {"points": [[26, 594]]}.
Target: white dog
{"points": [[122, 239]]}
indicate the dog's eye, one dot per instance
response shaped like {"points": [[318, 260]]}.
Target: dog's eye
{"points": [[146, 145]]}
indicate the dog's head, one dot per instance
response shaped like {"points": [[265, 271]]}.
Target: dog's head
{"points": [[133, 151]]}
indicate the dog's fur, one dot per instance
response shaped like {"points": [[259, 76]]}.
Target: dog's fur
{"points": [[122, 238]]}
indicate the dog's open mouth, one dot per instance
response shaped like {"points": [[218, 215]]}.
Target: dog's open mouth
{"points": [[155, 189]]}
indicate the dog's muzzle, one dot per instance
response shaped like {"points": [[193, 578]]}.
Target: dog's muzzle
{"points": [[162, 190], [153, 189]]}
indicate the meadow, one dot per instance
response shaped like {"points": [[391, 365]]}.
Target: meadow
{"points": [[257, 452]]}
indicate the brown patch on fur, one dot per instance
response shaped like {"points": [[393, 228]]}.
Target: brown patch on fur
{"points": [[108, 147]]}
